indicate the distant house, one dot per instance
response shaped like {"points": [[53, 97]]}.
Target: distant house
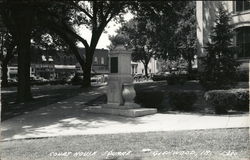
{"points": [[240, 20], [138, 67]]}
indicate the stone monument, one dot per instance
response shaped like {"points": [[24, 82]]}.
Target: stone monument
{"points": [[120, 92]]}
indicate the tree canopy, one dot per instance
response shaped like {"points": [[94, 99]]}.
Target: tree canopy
{"points": [[137, 34], [60, 18], [164, 29]]}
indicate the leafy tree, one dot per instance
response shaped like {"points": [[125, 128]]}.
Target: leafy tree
{"points": [[185, 34], [7, 45], [164, 16], [220, 65], [176, 28], [18, 16], [95, 15], [45, 39], [138, 34], [142, 35], [175, 23], [161, 29], [121, 38]]}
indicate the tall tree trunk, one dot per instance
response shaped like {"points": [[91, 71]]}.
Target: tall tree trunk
{"points": [[23, 22], [87, 68], [4, 74], [190, 66], [146, 69], [87, 76], [89, 56], [24, 89]]}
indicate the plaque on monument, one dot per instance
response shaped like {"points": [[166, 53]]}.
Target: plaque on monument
{"points": [[114, 65]]}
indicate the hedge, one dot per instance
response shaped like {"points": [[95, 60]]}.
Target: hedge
{"points": [[176, 79], [149, 99], [182, 100], [243, 76], [224, 100]]}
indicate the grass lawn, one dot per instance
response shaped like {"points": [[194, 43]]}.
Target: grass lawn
{"points": [[214, 144], [42, 96]]}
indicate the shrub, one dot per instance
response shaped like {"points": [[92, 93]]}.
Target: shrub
{"points": [[194, 75], [172, 79], [149, 99], [176, 79], [183, 100], [158, 78], [243, 76], [223, 100], [181, 78]]}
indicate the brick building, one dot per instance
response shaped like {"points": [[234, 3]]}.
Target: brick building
{"points": [[51, 64]]}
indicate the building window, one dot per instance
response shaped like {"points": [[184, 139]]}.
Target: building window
{"points": [[242, 5], [243, 41], [102, 60], [95, 60]]}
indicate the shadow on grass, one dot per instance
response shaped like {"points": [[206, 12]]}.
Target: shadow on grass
{"points": [[68, 116], [42, 96], [98, 101], [63, 117]]}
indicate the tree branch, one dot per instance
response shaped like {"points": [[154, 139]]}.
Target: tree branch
{"points": [[70, 42], [58, 23], [94, 19], [82, 10]]}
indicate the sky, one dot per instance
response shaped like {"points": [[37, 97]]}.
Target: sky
{"points": [[104, 39]]}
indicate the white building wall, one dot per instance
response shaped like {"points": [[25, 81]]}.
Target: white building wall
{"points": [[152, 67]]}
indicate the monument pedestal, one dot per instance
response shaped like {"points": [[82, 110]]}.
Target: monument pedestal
{"points": [[121, 92]]}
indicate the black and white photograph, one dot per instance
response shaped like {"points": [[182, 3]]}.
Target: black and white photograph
{"points": [[124, 80]]}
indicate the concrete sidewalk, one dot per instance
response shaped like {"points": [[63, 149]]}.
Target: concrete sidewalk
{"points": [[69, 117]]}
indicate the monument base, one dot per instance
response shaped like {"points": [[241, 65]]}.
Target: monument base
{"points": [[127, 112], [118, 106]]}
